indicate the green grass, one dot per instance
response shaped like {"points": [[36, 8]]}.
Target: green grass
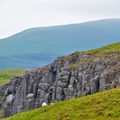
{"points": [[111, 51], [100, 106], [73, 67], [112, 48], [6, 75]]}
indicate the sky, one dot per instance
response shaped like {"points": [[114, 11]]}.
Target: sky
{"points": [[18, 15]]}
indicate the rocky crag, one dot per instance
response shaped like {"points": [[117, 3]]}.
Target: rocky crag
{"points": [[75, 75]]}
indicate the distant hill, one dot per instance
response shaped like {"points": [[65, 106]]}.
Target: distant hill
{"points": [[50, 42]]}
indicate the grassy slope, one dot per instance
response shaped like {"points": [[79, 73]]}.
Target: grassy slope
{"points": [[103, 50], [112, 48], [6, 75], [100, 106]]}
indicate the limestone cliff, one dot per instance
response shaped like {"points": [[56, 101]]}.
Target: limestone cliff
{"points": [[75, 75]]}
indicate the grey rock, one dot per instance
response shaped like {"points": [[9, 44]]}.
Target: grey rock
{"points": [[30, 96], [57, 82], [10, 98]]}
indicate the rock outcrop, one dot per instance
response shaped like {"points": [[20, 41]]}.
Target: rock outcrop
{"points": [[67, 77]]}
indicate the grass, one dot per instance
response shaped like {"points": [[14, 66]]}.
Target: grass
{"points": [[73, 67], [111, 51], [100, 106], [112, 48], [6, 75]]}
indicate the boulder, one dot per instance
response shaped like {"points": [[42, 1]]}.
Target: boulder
{"points": [[10, 98], [30, 96]]}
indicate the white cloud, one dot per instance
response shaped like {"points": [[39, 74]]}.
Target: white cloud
{"points": [[16, 15]]}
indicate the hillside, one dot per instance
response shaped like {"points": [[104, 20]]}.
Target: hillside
{"points": [[100, 106], [6, 75], [39, 46], [74, 75]]}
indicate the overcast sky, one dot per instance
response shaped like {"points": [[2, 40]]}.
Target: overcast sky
{"points": [[17, 15]]}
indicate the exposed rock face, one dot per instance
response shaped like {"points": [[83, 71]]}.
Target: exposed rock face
{"points": [[67, 77]]}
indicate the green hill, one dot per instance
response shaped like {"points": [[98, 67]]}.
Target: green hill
{"points": [[6, 75], [100, 106]]}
